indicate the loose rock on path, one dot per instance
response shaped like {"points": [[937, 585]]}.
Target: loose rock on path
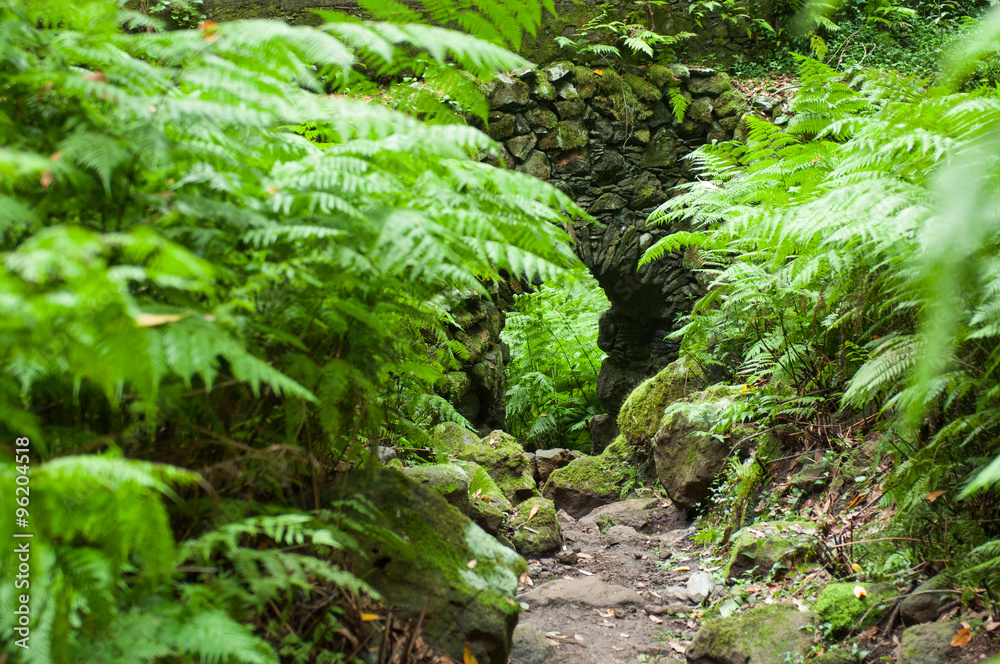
{"points": [[618, 592]]}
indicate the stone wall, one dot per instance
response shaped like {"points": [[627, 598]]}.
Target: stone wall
{"points": [[612, 143]]}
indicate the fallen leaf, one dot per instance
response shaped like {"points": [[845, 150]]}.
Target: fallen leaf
{"points": [[683, 569], [46, 179], [97, 76], [467, 656], [961, 638], [859, 592], [368, 617], [609, 614], [676, 647], [934, 495], [533, 512], [153, 320], [472, 564], [656, 619], [856, 567], [623, 635], [991, 625], [525, 580], [584, 572]]}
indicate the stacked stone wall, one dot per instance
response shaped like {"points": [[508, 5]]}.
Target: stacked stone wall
{"points": [[612, 143]]}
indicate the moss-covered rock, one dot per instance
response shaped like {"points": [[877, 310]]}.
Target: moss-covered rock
{"points": [[445, 479], [488, 507], [715, 84], [661, 151], [763, 546], [538, 535], [585, 81], [927, 644], [922, 605], [499, 454], [838, 605], [730, 103], [643, 89], [468, 602], [642, 412], [567, 135], [590, 481], [763, 635], [688, 454], [660, 75]]}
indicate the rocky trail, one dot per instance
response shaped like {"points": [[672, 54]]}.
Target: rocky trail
{"points": [[621, 595]]}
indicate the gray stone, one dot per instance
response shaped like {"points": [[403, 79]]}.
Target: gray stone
{"points": [[544, 90], [621, 534], [537, 165], [588, 590], [927, 644], [446, 479], [501, 126], [769, 544], [700, 110], [567, 91], [661, 151], [558, 71], [764, 635], [688, 456], [520, 146], [922, 606], [607, 203], [646, 192], [590, 481], [567, 556], [506, 92], [700, 586], [548, 460], [602, 429], [530, 646], [611, 167], [765, 103], [680, 72]]}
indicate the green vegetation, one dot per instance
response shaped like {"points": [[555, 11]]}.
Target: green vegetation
{"points": [[208, 262], [853, 257], [552, 376]]}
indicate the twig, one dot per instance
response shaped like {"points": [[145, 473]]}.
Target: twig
{"points": [[898, 599], [416, 628], [880, 539]]}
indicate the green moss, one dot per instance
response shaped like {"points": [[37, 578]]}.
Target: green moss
{"points": [[730, 103], [838, 605], [643, 89], [765, 545], [642, 412], [762, 635], [659, 75], [585, 81], [435, 545], [543, 536], [602, 475], [499, 454]]}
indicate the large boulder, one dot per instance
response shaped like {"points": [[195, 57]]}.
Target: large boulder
{"points": [[642, 412], [840, 605], [763, 635], [769, 545], [467, 578], [498, 453], [590, 481], [547, 461], [446, 479], [535, 535], [688, 454]]}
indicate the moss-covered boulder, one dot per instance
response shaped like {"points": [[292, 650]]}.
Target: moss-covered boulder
{"points": [[923, 605], [535, 536], [488, 507], [642, 412], [927, 644], [469, 577], [446, 479], [688, 454], [590, 481], [769, 545], [763, 635], [498, 453], [838, 605]]}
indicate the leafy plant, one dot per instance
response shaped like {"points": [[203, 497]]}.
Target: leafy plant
{"points": [[554, 363]]}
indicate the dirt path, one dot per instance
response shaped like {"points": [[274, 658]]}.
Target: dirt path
{"points": [[617, 596]]}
